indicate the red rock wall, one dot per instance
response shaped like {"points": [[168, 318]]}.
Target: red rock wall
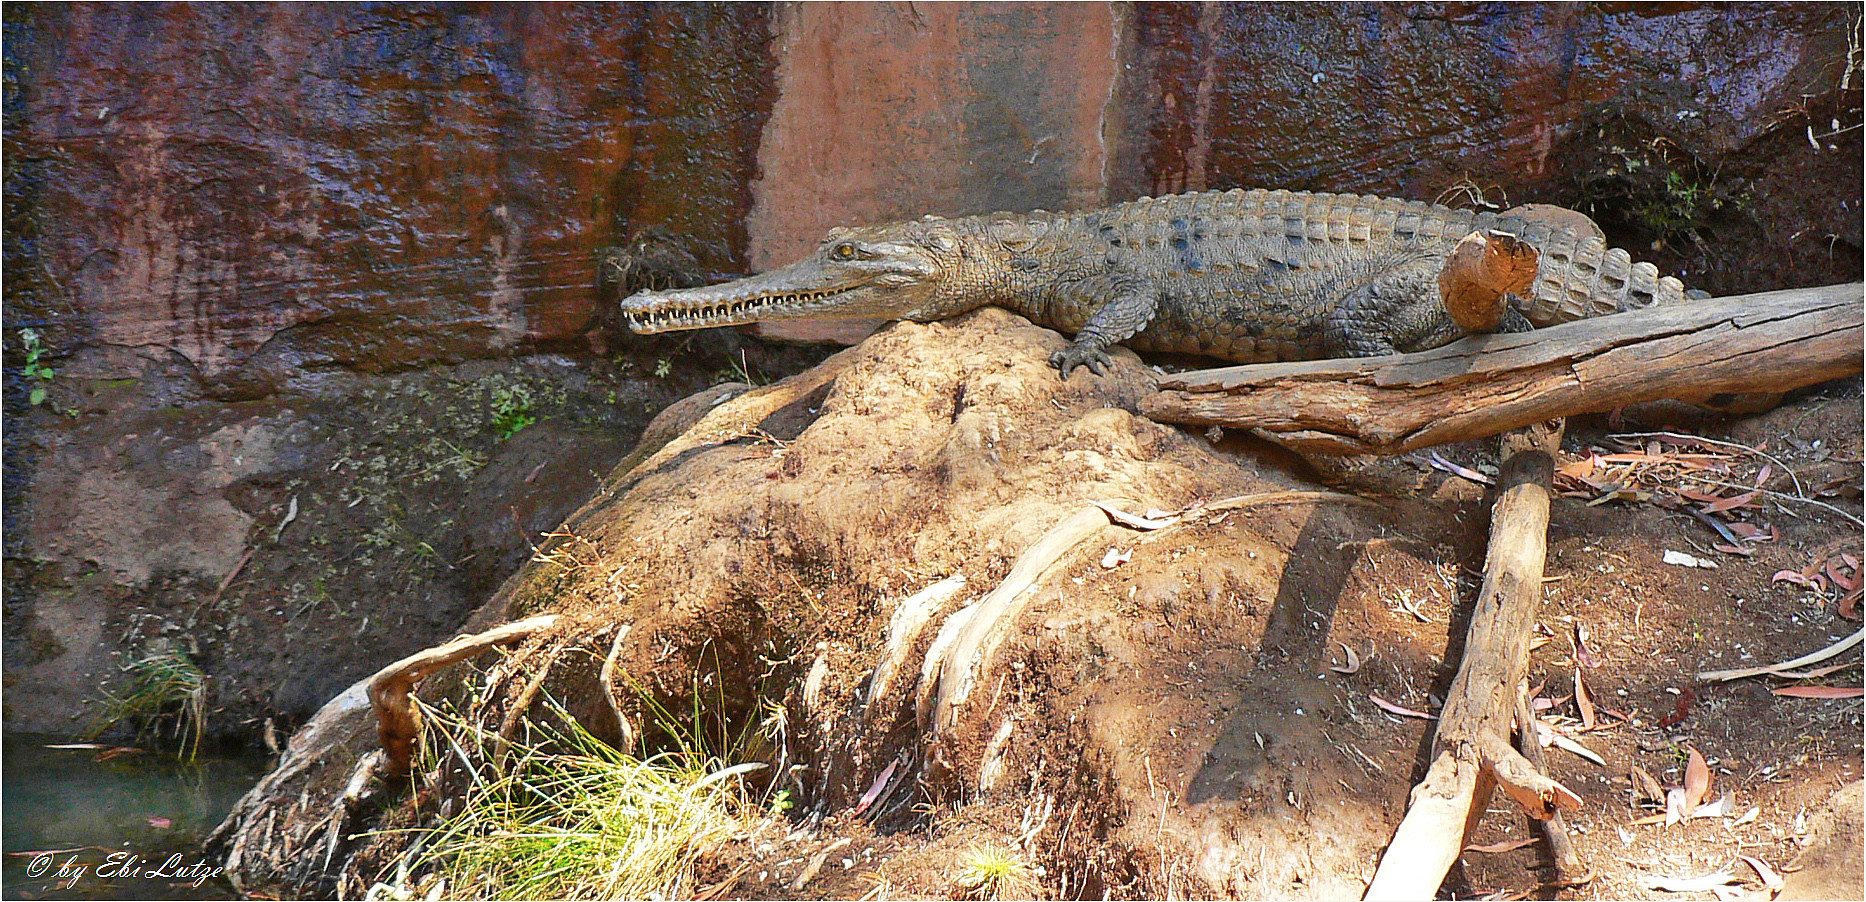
{"points": [[374, 187], [379, 186]]}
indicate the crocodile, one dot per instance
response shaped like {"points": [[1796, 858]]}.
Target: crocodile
{"points": [[1243, 275]]}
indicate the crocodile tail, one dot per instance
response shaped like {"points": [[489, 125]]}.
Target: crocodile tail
{"points": [[1579, 276]]}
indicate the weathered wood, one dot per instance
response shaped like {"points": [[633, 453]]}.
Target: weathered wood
{"points": [[1568, 868], [1483, 270], [1472, 754], [1489, 384]]}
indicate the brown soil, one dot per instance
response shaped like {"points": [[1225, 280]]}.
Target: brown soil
{"points": [[1157, 716]]}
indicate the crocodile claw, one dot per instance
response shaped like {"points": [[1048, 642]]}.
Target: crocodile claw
{"points": [[1067, 359]]}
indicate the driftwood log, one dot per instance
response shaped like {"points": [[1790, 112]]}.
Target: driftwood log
{"points": [[1488, 384], [1472, 755]]}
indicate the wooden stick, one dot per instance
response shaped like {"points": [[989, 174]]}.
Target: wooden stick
{"points": [[390, 687], [1489, 384], [1472, 752], [1568, 868], [1711, 676]]}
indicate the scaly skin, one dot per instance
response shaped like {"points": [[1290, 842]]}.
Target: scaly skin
{"points": [[1246, 276]]}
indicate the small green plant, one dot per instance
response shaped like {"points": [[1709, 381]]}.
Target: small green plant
{"points": [[662, 368], [511, 411], [164, 686], [741, 371], [991, 872], [37, 374]]}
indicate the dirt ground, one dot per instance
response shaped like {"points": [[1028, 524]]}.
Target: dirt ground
{"points": [[1196, 710]]}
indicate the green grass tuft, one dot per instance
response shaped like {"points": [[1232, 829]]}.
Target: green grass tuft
{"points": [[992, 872], [161, 686], [572, 818]]}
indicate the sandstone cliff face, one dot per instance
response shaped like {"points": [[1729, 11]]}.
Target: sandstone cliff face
{"points": [[223, 221]]}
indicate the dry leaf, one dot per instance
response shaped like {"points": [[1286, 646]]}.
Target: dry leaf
{"points": [[1646, 788], [1583, 654], [1391, 708], [1840, 578], [1697, 780], [1115, 557], [1583, 702], [874, 792], [1736, 501], [1725, 804], [1562, 742], [1354, 661], [1769, 877], [1790, 576], [1676, 809], [1502, 845], [1706, 883], [1821, 691], [1631, 457], [1441, 463], [1577, 469]]}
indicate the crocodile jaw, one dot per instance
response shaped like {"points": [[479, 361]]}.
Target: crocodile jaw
{"points": [[730, 304], [890, 280]]}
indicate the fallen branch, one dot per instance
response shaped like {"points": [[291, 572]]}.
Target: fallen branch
{"points": [[1472, 753], [1568, 868], [1489, 384], [390, 687]]}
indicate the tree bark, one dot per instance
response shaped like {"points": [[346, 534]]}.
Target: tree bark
{"points": [[1472, 755], [1488, 384]]}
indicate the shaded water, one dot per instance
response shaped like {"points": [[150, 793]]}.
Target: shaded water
{"points": [[129, 827]]}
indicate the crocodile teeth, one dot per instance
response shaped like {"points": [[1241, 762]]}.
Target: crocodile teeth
{"points": [[700, 315]]}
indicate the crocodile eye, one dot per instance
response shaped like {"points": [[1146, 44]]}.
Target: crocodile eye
{"points": [[843, 251]]}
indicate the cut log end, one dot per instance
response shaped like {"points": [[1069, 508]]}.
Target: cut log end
{"points": [[1483, 272]]}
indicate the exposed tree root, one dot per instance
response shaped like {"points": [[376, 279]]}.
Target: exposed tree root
{"points": [[607, 676], [390, 687], [971, 638], [905, 627], [287, 847]]}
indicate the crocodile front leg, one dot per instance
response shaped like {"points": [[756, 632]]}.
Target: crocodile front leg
{"points": [[1128, 311]]}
